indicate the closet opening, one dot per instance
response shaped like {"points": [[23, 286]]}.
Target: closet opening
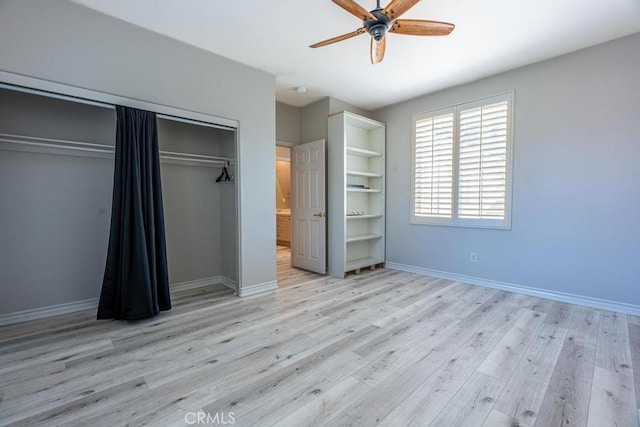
{"points": [[56, 169]]}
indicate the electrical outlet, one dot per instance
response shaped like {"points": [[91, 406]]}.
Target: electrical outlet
{"points": [[473, 257]]}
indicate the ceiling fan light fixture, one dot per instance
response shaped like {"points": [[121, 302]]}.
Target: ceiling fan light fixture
{"points": [[377, 27], [378, 31]]}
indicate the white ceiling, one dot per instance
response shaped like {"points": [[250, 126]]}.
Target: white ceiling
{"points": [[491, 36]]}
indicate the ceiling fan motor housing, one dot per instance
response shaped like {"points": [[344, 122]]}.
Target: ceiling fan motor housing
{"points": [[377, 27]]}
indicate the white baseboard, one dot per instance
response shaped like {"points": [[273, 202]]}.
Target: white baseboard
{"points": [[52, 310], [192, 284], [207, 281], [92, 304], [257, 289], [231, 284], [536, 292]]}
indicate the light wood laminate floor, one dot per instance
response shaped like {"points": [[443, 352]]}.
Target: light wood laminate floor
{"points": [[383, 348]]}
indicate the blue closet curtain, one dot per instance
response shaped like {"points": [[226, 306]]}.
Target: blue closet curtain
{"points": [[136, 279]]}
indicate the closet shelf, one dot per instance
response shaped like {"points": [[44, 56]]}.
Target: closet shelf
{"points": [[362, 237], [362, 152], [363, 216], [367, 174], [364, 190]]}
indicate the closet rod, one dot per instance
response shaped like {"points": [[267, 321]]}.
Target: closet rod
{"points": [[105, 105], [172, 153], [103, 148]]}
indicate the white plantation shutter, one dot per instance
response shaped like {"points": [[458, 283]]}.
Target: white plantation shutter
{"points": [[482, 182], [433, 154], [461, 164]]}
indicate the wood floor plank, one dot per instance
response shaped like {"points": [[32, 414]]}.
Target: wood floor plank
{"points": [[633, 320], [65, 414], [472, 403], [426, 402], [498, 419], [428, 298], [506, 356], [416, 288], [327, 404], [59, 392], [529, 302], [276, 400], [34, 329], [634, 343], [584, 327], [402, 380], [58, 355], [259, 361], [560, 314], [613, 344], [29, 374], [488, 331], [384, 347], [432, 321], [566, 402], [525, 390], [612, 400], [290, 384]]}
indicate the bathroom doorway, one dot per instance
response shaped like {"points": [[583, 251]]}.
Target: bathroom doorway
{"points": [[286, 274], [283, 207]]}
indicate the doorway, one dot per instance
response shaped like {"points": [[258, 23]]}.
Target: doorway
{"points": [[283, 205], [287, 274]]}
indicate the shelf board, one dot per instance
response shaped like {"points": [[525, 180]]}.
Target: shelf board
{"points": [[364, 190], [363, 237], [361, 263], [367, 174], [363, 216], [363, 152]]}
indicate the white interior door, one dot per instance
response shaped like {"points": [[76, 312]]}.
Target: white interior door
{"points": [[308, 210]]}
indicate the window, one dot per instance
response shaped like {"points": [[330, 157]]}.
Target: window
{"points": [[461, 168]]}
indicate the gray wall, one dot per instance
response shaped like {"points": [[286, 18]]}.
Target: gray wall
{"points": [[338, 106], [54, 209], [287, 123], [67, 43], [54, 221], [576, 188], [314, 123]]}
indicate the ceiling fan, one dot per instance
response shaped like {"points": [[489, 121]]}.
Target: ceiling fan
{"points": [[379, 21]]}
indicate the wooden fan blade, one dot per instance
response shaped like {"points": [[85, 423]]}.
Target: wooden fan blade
{"points": [[340, 38], [419, 27], [377, 49], [398, 7], [355, 9]]}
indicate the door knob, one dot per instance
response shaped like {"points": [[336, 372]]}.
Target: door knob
{"points": [[319, 214]]}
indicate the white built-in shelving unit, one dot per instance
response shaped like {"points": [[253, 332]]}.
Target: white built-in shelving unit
{"points": [[356, 200]]}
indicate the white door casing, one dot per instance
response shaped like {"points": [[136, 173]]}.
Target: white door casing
{"points": [[308, 210]]}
